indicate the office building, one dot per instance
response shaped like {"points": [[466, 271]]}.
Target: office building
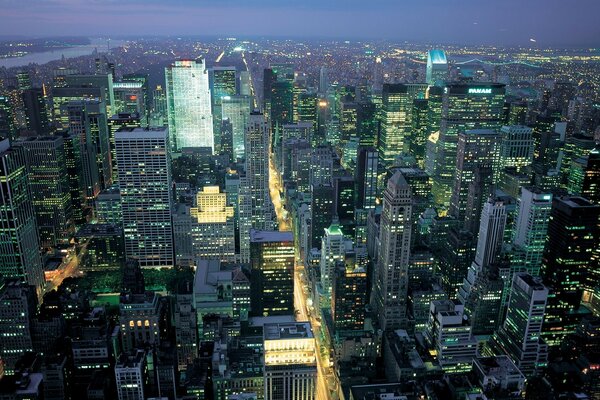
{"points": [[476, 148], [19, 245], [49, 185], [349, 295], [531, 227], [464, 107], [322, 212], [448, 333], [272, 273], [131, 97], [516, 147], [108, 206], [437, 67], [7, 123], [144, 169], [116, 122], [520, 335], [17, 308], [213, 233], [189, 105], [36, 112], [236, 109], [140, 316], [333, 251], [131, 376], [223, 83], [290, 353], [569, 264], [395, 124], [103, 247], [257, 171], [391, 273]]}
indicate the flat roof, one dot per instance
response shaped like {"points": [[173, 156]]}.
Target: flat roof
{"points": [[271, 236], [294, 330]]}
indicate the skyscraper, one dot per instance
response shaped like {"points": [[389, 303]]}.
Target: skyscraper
{"points": [[531, 228], [36, 112], [257, 171], [223, 83], [520, 335], [189, 105], [516, 148], [237, 110], [19, 244], [476, 148], [391, 274], [87, 120], [272, 273], [570, 263], [333, 251], [144, 169], [437, 67], [465, 106], [395, 125], [49, 183], [213, 234], [16, 312]]}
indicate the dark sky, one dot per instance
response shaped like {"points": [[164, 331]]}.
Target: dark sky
{"points": [[550, 22]]}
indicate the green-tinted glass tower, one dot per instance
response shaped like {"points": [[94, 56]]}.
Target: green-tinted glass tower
{"points": [[465, 106], [19, 244]]}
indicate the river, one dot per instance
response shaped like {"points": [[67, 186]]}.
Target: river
{"points": [[68, 52]]}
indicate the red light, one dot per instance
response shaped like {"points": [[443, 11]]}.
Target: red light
{"points": [[133, 97]]}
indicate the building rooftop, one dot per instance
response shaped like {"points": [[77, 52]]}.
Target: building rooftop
{"points": [[295, 330], [270, 236], [437, 56]]}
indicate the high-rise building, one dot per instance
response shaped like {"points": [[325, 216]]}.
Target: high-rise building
{"points": [[213, 234], [516, 148], [323, 80], [449, 333], [87, 120], [290, 352], [476, 148], [19, 244], [104, 82], [349, 296], [131, 97], [140, 318], [131, 376], [186, 326], [520, 335], [144, 169], [272, 273], [531, 228], [189, 105], [17, 308], [365, 178], [36, 112], [333, 251], [223, 82], [569, 264], [322, 212], [395, 125], [465, 106], [584, 176], [7, 122], [257, 171], [102, 247], [391, 274], [491, 232], [437, 67], [49, 183], [116, 122], [237, 110]]}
